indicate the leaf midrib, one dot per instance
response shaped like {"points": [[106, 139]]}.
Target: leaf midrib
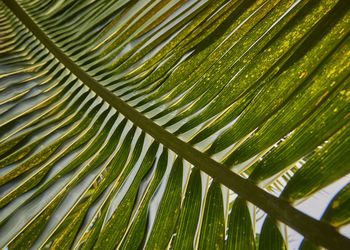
{"points": [[314, 230]]}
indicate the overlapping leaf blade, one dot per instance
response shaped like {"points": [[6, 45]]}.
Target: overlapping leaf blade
{"points": [[233, 78]]}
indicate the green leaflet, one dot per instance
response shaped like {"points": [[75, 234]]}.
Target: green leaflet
{"points": [[325, 80], [11, 124], [195, 39], [70, 226], [114, 229], [44, 154], [22, 152], [87, 88], [93, 148], [198, 16], [100, 15], [240, 227], [271, 97], [135, 234], [53, 117], [228, 60], [233, 82], [212, 234], [311, 133], [168, 210], [49, 81], [92, 234], [95, 162], [39, 175], [336, 214], [34, 230], [234, 11], [124, 62], [190, 210], [271, 237], [222, 120], [328, 164]]}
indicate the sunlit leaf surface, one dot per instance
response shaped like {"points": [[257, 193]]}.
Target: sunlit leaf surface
{"points": [[168, 124]]}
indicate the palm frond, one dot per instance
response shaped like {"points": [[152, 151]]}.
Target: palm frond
{"points": [[127, 124]]}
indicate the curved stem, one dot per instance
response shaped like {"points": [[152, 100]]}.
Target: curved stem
{"points": [[316, 231]]}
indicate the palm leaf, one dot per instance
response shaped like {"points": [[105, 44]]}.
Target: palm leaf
{"points": [[130, 124]]}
